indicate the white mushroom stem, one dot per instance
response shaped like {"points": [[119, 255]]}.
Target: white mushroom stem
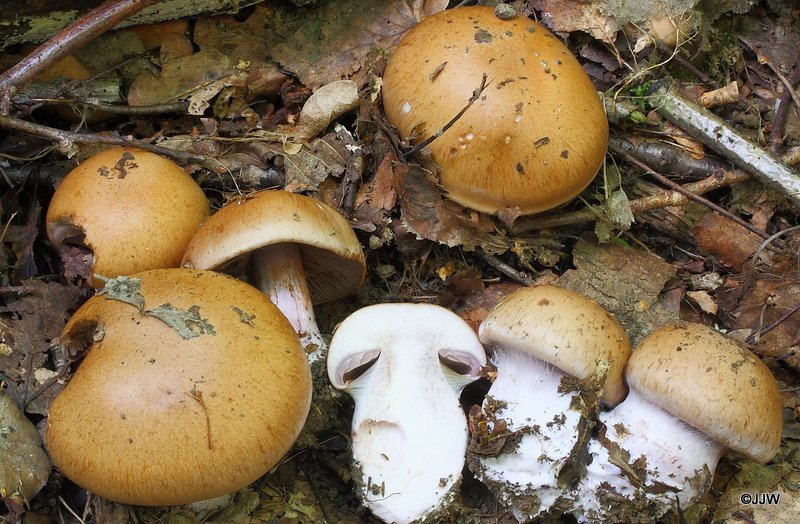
{"points": [[670, 458], [278, 273], [526, 396], [405, 365]]}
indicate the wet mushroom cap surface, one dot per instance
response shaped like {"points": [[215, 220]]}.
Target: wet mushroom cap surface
{"points": [[134, 210], [331, 253], [189, 405], [536, 136], [740, 406]]}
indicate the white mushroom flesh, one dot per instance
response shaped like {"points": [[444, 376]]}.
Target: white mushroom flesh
{"points": [[409, 433], [278, 273], [668, 463], [525, 395]]}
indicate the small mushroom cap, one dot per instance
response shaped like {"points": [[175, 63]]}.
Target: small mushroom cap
{"points": [[136, 211], [153, 418], [712, 383], [563, 328], [332, 256], [534, 139]]}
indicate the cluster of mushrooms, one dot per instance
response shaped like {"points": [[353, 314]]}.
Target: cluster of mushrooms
{"points": [[194, 383]]}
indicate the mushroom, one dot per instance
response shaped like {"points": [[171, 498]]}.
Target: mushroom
{"points": [[133, 209], [194, 385], [694, 394], [532, 140], [557, 355], [303, 252], [405, 366]]}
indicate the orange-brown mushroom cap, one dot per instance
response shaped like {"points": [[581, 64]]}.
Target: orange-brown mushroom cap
{"points": [[536, 136], [331, 254], [153, 418], [562, 328], [134, 209], [712, 383]]}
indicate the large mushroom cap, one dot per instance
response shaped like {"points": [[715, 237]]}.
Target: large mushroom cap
{"points": [[563, 328], [536, 136], [332, 256], [134, 209], [153, 418], [712, 383]]}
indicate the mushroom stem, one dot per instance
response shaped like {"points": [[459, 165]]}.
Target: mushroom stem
{"points": [[665, 458], [278, 272], [526, 395]]}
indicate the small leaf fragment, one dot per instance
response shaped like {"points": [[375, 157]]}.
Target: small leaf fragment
{"points": [[187, 323], [244, 316], [125, 289]]}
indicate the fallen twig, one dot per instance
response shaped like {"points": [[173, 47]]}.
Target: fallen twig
{"points": [[506, 269], [475, 96], [640, 205], [688, 194], [66, 140], [86, 28], [722, 138]]}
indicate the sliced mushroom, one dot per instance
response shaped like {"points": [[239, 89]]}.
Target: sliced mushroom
{"points": [[405, 365]]}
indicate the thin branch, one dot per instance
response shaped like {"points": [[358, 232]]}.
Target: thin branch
{"points": [[66, 141], [506, 269], [688, 194], [640, 205], [83, 30], [718, 135], [425, 143]]}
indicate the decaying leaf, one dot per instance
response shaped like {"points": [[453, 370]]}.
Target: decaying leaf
{"points": [[25, 466], [626, 281], [187, 323], [340, 39], [310, 164], [325, 105], [618, 212], [231, 54], [430, 216], [125, 289], [728, 242]]}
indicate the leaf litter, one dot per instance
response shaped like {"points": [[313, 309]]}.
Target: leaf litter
{"points": [[647, 268]]}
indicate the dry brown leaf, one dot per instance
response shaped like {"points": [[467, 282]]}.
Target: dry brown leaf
{"points": [[566, 16], [341, 39], [765, 300], [430, 216], [325, 105], [35, 322], [310, 165], [728, 242], [231, 53]]}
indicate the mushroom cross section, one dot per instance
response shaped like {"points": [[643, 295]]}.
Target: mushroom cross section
{"points": [[552, 348], [533, 139], [301, 252], [695, 393], [194, 394], [405, 366], [133, 209]]}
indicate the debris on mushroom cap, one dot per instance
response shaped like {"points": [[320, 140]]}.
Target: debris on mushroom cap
{"points": [[332, 256], [740, 406], [405, 365], [152, 417], [133, 209], [562, 328], [536, 136], [556, 354]]}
